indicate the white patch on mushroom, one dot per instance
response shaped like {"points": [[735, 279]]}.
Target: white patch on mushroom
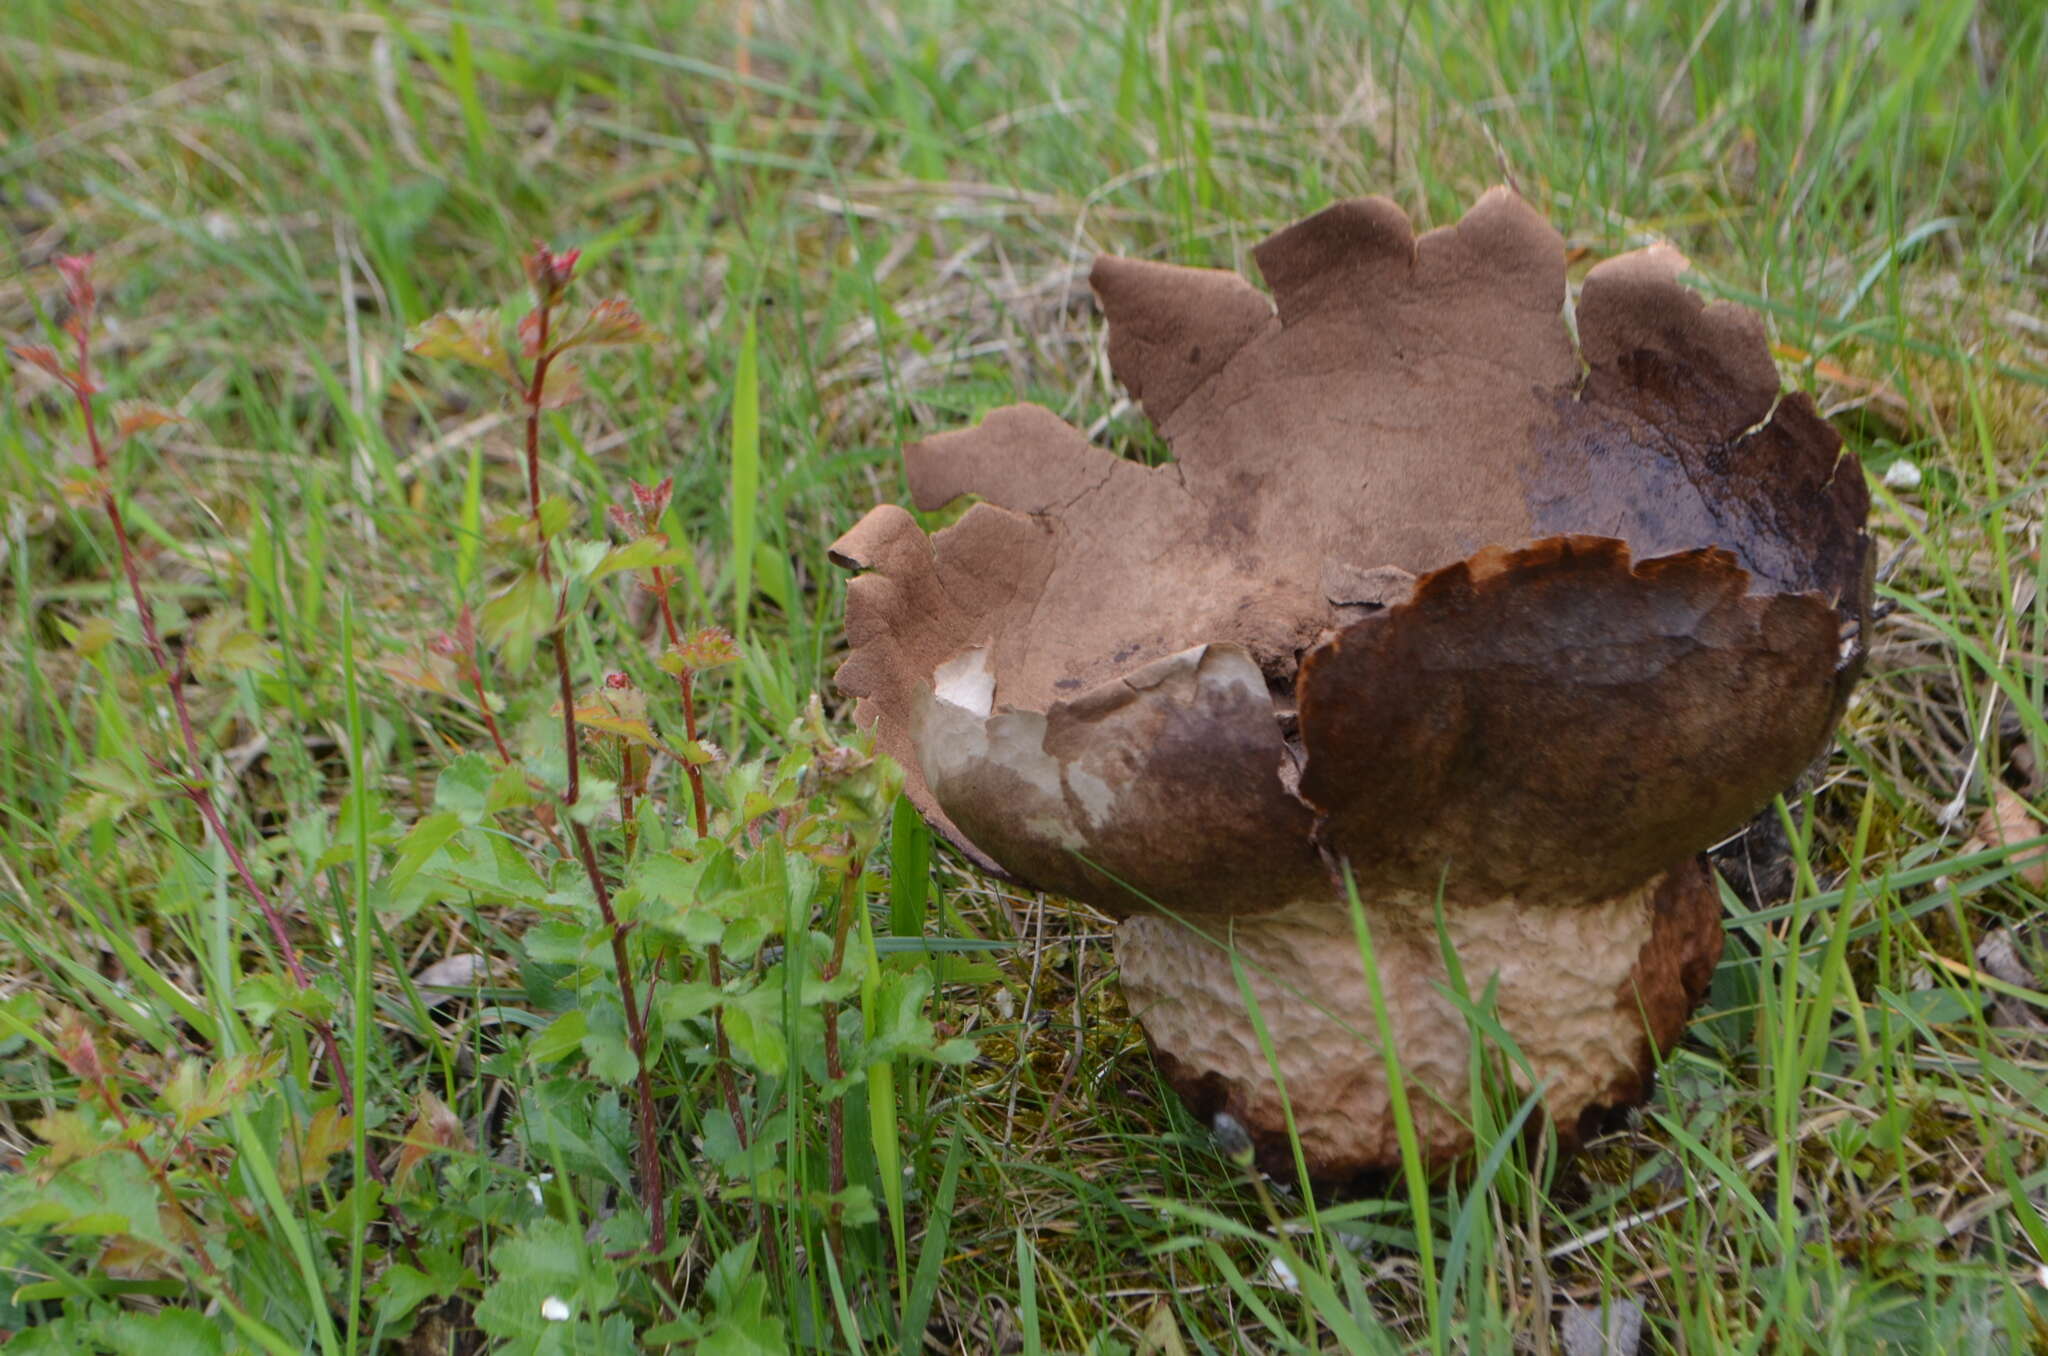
{"points": [[1095, 795], [1056, 830], [1240, 674], [965, 681], [1016, 740], [950, 739], [957, 747]]}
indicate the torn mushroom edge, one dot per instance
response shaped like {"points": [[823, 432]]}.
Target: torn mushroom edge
{"points": [[963, 681], [1657, 268]]}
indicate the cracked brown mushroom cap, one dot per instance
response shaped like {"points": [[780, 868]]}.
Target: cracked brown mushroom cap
{"points": [[1428, 587]]}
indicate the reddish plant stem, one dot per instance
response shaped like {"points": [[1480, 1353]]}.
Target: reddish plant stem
{"points": [[649, 1151], [571, 745], [195, 787], [483, 704], [849, 894], [534, 393], [728, 1086], [686, 683], [835, 1068], [625, 795], [622, 962]]}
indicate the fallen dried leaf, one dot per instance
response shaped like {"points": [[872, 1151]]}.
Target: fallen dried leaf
{"points": [[1583, 1331], [1998, 955], [434, 1128], [452, 977], [2009, 820]]}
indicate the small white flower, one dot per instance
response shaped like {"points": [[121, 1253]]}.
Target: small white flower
{"points": [[533, 1187], [1283, 1276], [1902, 475], [554, 1310]]}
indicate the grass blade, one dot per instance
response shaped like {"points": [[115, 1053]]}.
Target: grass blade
{"points": [[362, 1011], [746, 475]]}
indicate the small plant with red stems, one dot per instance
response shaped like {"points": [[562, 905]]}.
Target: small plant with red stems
{"points": [[686, 920]]}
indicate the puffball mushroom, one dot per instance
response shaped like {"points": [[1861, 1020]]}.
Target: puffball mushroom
{"points": [[1503, 621]]}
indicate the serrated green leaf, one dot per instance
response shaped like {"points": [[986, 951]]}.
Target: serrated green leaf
{"points": [[643, 554], [599, 795], [261, 997], [491, 866], [220, 646], [608, 324], [682, 1002], [669, 880], [420, 846], [470, 337], [108, 1194], [583, 557], [855, 1206], [465, 787], [184, 1087], [194, 1094], [610, 1057], [402, 1289], [557, 943], [69, 1136], [519, 617], [509, 791], [753, 1023], [555, 514], [562, 1038], [743, 937], [550, 1260], [168, 1330]]}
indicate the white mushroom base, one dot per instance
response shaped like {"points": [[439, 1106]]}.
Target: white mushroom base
{"points": [[1587, 991]]}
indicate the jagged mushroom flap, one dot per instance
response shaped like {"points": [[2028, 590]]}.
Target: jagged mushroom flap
{"points": [[1557, 724], [1403, 405], [1162, 788]]}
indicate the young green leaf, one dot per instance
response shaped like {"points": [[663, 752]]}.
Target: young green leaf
{"points": [[470, 337]]}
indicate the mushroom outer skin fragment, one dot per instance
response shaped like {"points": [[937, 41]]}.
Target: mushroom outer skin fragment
{"points": [[1588, 991], [1502, 627]]}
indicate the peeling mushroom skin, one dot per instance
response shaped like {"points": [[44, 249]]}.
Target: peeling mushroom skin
{"points": [[1556, 724], [1512, 626], [1162, 784], [1589, 991]]}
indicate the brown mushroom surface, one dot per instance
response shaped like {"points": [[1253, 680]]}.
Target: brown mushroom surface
{"points": [[1511, 626]]}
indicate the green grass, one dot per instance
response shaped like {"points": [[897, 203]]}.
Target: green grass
{"points": [[856, 225]]}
